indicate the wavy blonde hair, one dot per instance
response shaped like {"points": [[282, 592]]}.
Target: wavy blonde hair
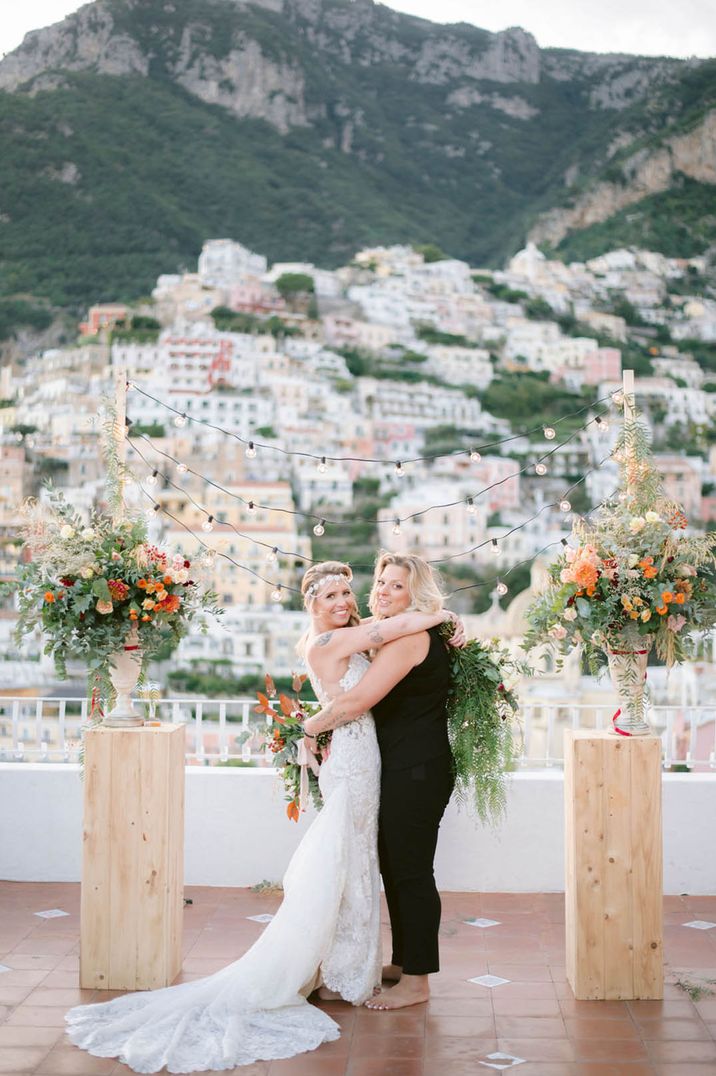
{"points": [[423, 585], [315, 574]]}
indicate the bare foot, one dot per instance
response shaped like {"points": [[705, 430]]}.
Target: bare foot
{"points": [[328, 995], [391, 973], [411, 990]]}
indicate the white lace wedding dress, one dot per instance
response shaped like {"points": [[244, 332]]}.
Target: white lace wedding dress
{"points": [[329, 922]]}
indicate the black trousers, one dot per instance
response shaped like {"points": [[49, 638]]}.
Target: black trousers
{"points": [[412, 803]]}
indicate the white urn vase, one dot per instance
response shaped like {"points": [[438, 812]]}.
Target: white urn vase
{"points": [[124, 674], [627, 667]]}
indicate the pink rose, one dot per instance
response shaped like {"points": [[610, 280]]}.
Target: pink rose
{"points": [[558, 631], [104, 606], [675, 623]]}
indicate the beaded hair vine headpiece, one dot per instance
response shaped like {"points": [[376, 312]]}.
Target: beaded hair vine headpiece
{"points": [[312, 591]]}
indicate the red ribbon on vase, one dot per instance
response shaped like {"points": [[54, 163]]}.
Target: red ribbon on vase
{"points": [[621, 732]]}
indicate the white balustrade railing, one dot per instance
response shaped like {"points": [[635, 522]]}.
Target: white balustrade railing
{"points": [[228, 731]]}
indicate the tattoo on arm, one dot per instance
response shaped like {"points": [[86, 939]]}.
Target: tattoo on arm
{"points": [[375, 636], [324, 639]]}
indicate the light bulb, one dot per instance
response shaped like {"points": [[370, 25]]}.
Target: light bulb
{"points": [[272, 555], [540, 468], [152, 480], [602, 423], [180, 420], [618, 398], [156, 508], [251, 507], [250, 451], [564, 542], [182, 468], [276, 593], [550, 433], [475, 456], [320, 528], [208, 524], [501, 588], [565, 506], [396, 526], [209, 557], [399, 469], [494, 547], [471, 509], [321, 468]]}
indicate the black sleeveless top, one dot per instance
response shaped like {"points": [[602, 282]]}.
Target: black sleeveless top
{"points": [[411, 721]]}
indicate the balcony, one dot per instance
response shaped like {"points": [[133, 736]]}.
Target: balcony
{"points": [[512, 876]]}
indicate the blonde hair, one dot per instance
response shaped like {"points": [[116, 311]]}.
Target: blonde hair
{"points": [[423, 586], [310, 588]]}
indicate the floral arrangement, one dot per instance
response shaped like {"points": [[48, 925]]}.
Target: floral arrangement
{"points": [[634, 577], [88, 585], [482, 711], [284, 741]]}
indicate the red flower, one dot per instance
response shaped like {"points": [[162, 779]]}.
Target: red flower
{"points": [[66, 581], [118, 589]]}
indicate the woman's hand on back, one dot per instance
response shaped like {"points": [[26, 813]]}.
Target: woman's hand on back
{"points": [[458, 639]]}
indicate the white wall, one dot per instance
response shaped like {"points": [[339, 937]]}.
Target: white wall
{"points": [[237, 832]]}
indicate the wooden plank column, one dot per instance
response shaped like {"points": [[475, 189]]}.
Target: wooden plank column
{"points": [[133, 858], [613, 860]]}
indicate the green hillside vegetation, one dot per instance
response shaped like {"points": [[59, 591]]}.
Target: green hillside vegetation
{"points": [[157, 171]]}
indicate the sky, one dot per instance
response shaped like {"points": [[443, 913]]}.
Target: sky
{"points": [[646, 27]]}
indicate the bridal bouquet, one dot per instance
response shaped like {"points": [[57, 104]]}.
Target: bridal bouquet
{"points": [[88, 585], [634, 578], [299, 769], [482, 711]]}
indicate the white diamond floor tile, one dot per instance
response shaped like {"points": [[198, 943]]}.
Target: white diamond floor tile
{"points": [[700, 924], [484, 923], [52, 913], [501, 1061], [489, 980], [263, 918]]}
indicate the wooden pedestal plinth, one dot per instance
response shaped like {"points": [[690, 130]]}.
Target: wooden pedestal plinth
{"points": [[613, 859], [133, 858]]}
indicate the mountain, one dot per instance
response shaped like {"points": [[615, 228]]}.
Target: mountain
{"points": [[135, 129]]}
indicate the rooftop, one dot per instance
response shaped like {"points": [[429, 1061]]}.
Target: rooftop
{"points": [[532, 1017]]}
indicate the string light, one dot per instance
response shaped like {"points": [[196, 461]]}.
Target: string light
{"points": [[501, 588], [321, 468], [471, 509], [272, 555], [157, 508], [550, 433], [541, 468], [276, 594], [565, 506], [475, 456], [208, 524], [396, 526], [494, 547], [182, 468], [251, 507], [399, 470], [563, 541], [152, 480], [180, 420], [618, 397], [601, 423], [320, 528], [250, 451]]}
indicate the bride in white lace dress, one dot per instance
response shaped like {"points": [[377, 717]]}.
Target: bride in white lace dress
{"points": [[328, 926]]}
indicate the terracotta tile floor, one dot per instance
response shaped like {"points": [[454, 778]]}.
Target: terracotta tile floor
{"points": [[533, 1017]]}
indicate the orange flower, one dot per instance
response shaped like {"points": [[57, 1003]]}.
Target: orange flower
{"points": [[170, 604], [683, 586], [645, 562], [145, 618], [666, 597], [634, 615], [591, 592], [142, 584], [662, 610], [680, 598], [49, 596], [650, 572], [151, 587], [585, 574], [133, 614], [161, 594], [168, 580]]}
